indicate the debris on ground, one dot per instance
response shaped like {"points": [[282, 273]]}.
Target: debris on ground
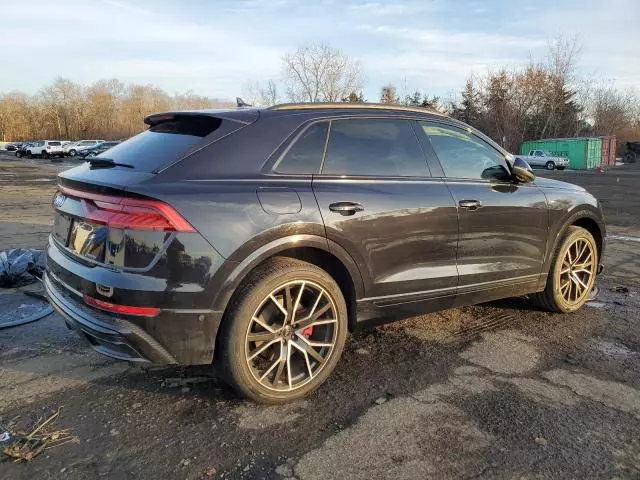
{"points": [[26, 446], [363, 351], [21, 266], [541, 440], [184, 382], [620, 289]]}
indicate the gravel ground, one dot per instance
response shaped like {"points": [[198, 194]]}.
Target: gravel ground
{"points": [[492, 391]]}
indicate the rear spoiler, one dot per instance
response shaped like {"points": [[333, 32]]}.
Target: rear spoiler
{"points": [[244, 115]]}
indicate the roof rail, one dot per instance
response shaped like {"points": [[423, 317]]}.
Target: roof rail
{"points": [[352, 106]]}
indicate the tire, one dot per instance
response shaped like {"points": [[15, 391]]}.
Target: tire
{"points": [[44, 154], [19, 154], [550, 165], [29, 154], [252, 299], [72, 153], [629, 157], [552, 298]]}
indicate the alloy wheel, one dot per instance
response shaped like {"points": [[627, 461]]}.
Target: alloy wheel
{"points": [[291, 336], [577, 272]]}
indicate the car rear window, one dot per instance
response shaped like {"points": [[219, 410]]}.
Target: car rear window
{"points": [[54, 143], [163, 143]]}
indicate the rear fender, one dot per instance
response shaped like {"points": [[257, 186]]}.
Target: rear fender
{"points": [[232, 273]]}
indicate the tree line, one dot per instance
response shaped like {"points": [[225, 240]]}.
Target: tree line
{"points": [[106, 109], [544, 99]]}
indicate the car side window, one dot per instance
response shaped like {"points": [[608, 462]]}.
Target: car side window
{"points": [[465, 155], [305, 155], [539, 153], [379, 147]]}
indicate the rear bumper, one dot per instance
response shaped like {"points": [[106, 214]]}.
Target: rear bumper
{"points": [[170, 338]]}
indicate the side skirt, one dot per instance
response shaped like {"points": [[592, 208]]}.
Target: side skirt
{"points": [[374, 311]]}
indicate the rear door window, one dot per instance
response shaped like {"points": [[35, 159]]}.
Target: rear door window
{"points": [[376, 147], [163, 143]]}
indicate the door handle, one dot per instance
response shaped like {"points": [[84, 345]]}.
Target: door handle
{"points": [[470, 204], [346, 208]]}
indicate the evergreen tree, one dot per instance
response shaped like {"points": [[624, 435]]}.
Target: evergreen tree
{"points": [[389, 94], [354, 97]]}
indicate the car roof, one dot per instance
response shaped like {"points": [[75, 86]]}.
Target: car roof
{"points": [[250, 114]]}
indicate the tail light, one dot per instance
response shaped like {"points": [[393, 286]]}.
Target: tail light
{"points": [[131, 213], [48, 147], [122, 309]]}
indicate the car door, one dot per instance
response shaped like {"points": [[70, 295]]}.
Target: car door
{"points": [[379, 202], [503, 225]]}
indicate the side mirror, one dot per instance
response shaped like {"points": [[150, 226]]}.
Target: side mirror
{"points": [[522, 171]]}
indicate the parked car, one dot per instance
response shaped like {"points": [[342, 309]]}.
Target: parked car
{"points": [[97, 150], [21, 150], [44, 149], [72, 149], [257, 238], [12, 147], [542, 158]]}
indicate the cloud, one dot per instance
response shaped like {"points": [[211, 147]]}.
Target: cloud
{"points": [[215, 47]]}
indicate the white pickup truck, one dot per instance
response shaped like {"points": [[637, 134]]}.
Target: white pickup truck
{"points": [[542, 158]]}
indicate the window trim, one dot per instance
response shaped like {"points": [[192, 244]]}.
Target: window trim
{"points": [[409, 120], [470, 131], [268, 166]]}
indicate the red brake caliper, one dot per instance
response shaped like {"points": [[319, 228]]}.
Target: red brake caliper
{"points": [[307, 332]]}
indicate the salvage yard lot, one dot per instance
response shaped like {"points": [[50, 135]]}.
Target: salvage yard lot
{"points": [[493, 391]]}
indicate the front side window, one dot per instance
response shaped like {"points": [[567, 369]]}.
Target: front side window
{"points": [[378, 147], [464, 155], [539, 153], [305, 155]]}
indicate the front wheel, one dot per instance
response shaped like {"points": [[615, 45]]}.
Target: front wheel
{"points": [[72, 153], [550, 165], [19, 154], [44, 154], [573, 273], [284, 332]]}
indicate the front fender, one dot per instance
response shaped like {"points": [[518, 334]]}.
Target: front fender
{"points": [[560, 220]]}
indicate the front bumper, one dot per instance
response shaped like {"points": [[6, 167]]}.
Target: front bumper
{"points": [[188, 338]]}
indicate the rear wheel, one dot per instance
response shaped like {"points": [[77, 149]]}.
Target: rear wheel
{"points": [[573, 273], [72, 153], [284, 332], [550, 165], [44, 154], [19, 154]]}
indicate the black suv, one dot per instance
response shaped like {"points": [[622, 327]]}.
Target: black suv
{"points": [[256, 239]]}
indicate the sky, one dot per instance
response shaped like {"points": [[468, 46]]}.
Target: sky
{"points": [[215, 47]]}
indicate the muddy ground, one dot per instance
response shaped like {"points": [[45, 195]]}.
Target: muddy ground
{"points": [[492, 391]]}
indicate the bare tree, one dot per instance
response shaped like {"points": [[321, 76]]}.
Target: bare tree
{"points": [[320, 73], [255, 94]]}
